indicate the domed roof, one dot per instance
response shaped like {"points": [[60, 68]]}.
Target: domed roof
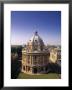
{"points": [[36, 42], [36, 39]]}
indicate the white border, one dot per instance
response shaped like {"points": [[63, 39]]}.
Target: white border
{"points": [[64, 8]]}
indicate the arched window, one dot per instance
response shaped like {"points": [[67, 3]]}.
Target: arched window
{"points": [[23, 67]]}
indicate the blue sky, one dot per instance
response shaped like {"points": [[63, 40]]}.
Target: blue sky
{"points": [[46, 23]]}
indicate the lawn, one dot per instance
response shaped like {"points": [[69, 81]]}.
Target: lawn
{"points": [[43, 76]]}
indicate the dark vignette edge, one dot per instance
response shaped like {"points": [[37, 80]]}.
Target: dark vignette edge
{"points": [[2, 32]]}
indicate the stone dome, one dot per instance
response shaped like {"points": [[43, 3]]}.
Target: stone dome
{"points": [[35, 43]]}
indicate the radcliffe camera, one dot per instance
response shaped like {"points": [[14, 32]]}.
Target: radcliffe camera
{"points": [[35, 45]]}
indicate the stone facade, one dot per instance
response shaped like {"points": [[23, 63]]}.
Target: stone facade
{"points": [[55, 55], [34, 58]]}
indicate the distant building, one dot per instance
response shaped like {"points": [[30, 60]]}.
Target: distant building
{"points": [[55, 55], [35, 58]]}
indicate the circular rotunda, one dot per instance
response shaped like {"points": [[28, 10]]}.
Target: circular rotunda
{"points": [[35, 58]]}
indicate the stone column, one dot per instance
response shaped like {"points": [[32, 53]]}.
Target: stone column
{"points": [[30, 59], [32, 70]]}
